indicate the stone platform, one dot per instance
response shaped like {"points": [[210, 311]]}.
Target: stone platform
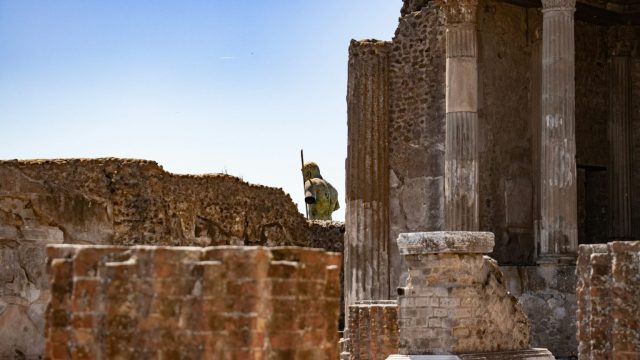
{"points": [[530, 354]]}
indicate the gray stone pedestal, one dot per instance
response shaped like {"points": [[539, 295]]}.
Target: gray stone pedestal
{"points": [[455, 304], [530, 354]]}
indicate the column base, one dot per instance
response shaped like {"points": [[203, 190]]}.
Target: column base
{"points": [[529, 354], [557, 259]]}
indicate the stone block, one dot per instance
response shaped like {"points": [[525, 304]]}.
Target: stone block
{"points": [[455, 301], [529, 354], [440, 242]]}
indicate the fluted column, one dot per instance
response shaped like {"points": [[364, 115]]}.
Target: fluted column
{"points": [[558, 202], [461, 153], [367, 169], [536, 78], [620, 46]]}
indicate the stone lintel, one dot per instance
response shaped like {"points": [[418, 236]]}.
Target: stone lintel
{"points": [[529, 354], [438, 242]]}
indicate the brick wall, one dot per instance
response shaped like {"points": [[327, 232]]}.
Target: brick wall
{"points": [[373, 329], [607, 292], [181, 302]]}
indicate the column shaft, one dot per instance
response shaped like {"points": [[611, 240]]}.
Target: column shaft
{"points": [[620, 135], [461, 153], [367, 166], [558, 202]]}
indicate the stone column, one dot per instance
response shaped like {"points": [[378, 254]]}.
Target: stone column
{"points": [[366, 263], [536, 78], [620, 46], [558, 201], [461, 153]]}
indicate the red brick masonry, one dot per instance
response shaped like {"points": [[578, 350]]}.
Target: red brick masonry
{"points": [[608, 294], [220, 302], [373, 329]]}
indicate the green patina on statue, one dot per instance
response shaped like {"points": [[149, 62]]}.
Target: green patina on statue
{"points": [[320, 196]]}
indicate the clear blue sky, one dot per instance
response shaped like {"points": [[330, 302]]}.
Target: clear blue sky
{"points": [[198, 86]]}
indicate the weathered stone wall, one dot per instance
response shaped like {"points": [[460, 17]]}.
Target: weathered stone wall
{"points": [[116, 201], [416, 127], [327, 235], [373, 329], [183, 302], [547, 295], [608, 309]]}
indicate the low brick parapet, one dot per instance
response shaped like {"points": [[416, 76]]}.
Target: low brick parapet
{"points": [[185, 302]]}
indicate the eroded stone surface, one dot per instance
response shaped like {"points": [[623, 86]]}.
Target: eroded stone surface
{"points": [[456, 303], [608, 310], [184, 302], [438, 242], [547, 295], [373, 329], [120, 201]]}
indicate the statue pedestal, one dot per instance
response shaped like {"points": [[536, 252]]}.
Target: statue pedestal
{"points": [[455, 304]]}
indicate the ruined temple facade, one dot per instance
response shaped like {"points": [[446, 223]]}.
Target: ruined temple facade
{"points": [[515, 117]]}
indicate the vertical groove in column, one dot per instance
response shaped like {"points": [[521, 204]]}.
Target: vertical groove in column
{"points": [[558, 202], [461, 163], [461, 129], [366, 260], [620, 148], [536, 78], [461, 41]]}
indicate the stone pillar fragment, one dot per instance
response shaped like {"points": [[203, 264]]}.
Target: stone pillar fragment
{"points": [[367, 171], [607, 291], [373, 329], [583, 297], [444, 309], [456, 302], [461, 153], [558, 202], [620, 46]]}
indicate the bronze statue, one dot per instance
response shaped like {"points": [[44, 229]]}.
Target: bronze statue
{"points": [[321, 197]]}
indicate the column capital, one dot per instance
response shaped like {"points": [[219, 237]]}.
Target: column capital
{"points": [[621, 41], [559, 5], [459, 11]]}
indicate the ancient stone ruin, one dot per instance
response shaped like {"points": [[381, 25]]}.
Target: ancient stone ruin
{"points": [[608, 307], [124, 202], [373, 330], [223, 302], [484, 127], [514, 117]]}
